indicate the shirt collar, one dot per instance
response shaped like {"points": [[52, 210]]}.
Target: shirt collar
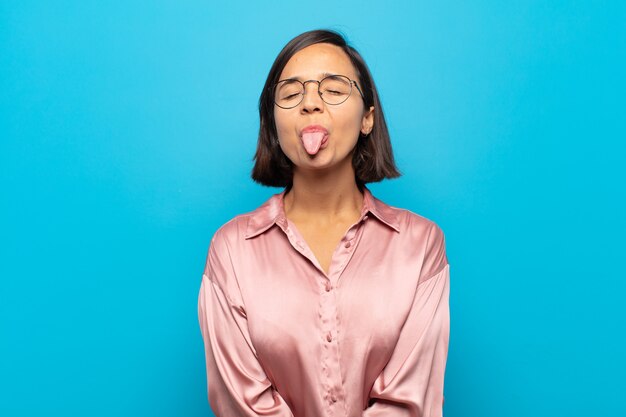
{"points": [[273, 212]]}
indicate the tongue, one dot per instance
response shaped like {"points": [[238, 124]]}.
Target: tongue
{"points": [[312, 141]]}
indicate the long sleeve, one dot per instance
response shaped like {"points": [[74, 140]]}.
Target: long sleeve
{"points": [[237, 384], [411, 384]]}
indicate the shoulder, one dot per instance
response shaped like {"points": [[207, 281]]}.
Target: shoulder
{"points": [[233, 234], [432, 247], [413, 224], [224, 247], [233, 230], [252, 223], [425, 238]]}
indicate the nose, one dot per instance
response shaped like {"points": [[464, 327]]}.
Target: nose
{"points": [[312, 100]]}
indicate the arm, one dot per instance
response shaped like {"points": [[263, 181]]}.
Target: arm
{"points": [[411, 384], [237, 384]]}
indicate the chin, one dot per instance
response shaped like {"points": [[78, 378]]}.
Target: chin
{"points": [[326, 161]]}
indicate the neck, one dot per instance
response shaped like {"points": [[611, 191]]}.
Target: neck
{"points": [[323, 196]]}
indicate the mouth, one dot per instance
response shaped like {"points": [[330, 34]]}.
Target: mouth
{"points": [[313, 137], [314, 128]]}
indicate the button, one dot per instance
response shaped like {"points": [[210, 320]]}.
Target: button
{"points": [[329, 337], [366, 217], [348, 244], [329, 286], [333, 398]]}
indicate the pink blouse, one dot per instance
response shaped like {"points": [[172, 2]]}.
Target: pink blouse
{"points": [[283, 338]]}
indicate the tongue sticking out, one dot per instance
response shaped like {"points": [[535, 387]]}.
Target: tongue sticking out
{"points": [[312, 141]]}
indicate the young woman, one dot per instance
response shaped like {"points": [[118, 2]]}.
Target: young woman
{"points": [[325, 301]]}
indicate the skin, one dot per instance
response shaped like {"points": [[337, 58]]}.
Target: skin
{"points": [[324, 200]]}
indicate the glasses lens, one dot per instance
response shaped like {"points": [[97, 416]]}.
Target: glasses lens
{"points": [[335, 89], [288, 93]]}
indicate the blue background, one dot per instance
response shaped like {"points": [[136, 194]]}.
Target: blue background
{"points": [[127, 130]]}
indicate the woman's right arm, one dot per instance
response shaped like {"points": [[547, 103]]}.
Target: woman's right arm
{"points": [[237, 384]]}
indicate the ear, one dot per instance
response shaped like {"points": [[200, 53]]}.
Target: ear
{"points": [[367, 122]]}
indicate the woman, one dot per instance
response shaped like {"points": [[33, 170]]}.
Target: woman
{"points": [[324, 301]]}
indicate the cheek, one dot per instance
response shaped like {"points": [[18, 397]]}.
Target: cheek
{"points": [[349, 123], [282, 125]]}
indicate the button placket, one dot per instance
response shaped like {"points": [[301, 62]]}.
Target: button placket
{"points": [[347, 249], [332, 381], [329, 362], [298, 243], [332, 387], [350, 235]]}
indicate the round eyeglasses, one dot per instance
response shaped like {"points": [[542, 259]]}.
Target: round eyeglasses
{"points": [[333, 89]]}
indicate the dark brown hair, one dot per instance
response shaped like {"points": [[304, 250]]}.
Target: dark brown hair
{"points": [[373, 158]]}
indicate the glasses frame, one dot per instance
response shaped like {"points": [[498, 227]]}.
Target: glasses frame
{"points": [[319, 83]]}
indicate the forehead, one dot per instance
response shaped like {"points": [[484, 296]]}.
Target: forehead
{"points": [[315, 61]]}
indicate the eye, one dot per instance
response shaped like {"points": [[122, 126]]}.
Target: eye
{"points": [[336, 86], [288, 90]]}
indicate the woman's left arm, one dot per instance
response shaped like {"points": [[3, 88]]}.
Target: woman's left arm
{"points": [[411, 384]]}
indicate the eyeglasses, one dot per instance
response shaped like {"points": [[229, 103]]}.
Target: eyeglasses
{"points": [[333, 89]]}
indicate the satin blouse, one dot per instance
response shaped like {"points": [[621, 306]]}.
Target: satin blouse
{"points": [[283, 338]]}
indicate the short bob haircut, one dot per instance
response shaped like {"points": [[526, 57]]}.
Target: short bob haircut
{"points": [[372, 159]]}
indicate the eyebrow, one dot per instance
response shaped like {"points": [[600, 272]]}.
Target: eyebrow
{"points": [[300, 78]]}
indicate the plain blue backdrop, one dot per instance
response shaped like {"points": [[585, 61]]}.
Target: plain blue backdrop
{"points": [[127, 130]]}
